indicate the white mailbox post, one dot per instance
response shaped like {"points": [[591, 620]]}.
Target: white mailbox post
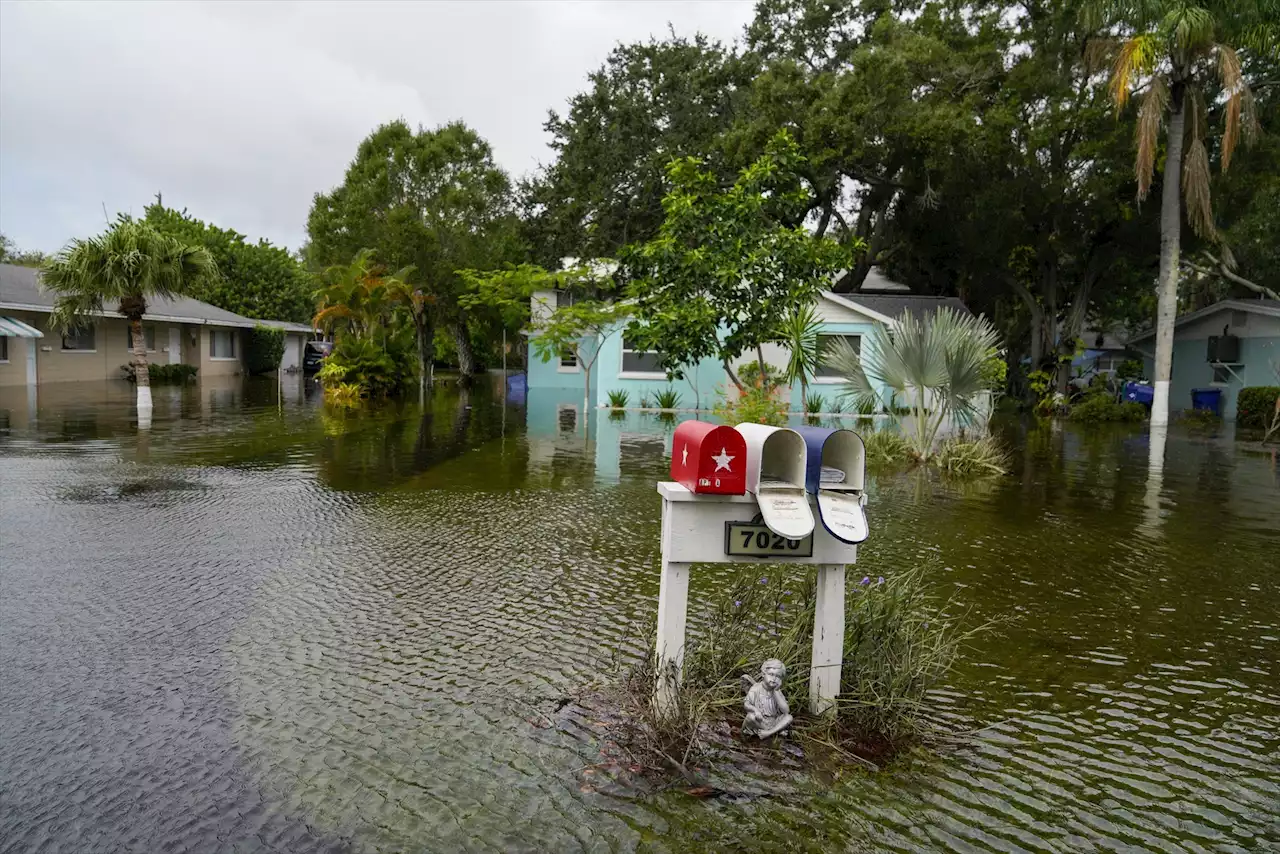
{"points": [[727, 529]]}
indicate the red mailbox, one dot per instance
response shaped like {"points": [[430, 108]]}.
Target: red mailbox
{"points": [[708, 458]]}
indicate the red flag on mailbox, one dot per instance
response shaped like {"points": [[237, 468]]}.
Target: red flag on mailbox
{"points": [[709, 458]]}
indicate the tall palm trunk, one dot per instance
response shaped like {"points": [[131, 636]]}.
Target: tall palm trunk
{"points": [[141, 373], [426, 352], [1170, 226]]}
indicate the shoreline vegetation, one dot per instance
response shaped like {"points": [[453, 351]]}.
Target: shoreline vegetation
{"points": [[902, 639]]}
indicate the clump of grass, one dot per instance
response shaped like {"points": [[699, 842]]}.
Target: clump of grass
{"points": [[886, 448], [964, 456], [618, 398], [346, 395], [814, 404], [644, 402], [668, 398], [901, 641]]}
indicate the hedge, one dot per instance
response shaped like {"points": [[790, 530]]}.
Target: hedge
{"points": [[264, 350], [1256, 405]]}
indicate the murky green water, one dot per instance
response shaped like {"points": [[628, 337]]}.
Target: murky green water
{"points": [[259, 626]]}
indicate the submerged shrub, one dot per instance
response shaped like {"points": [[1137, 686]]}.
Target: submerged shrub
{"points": [[618, 398], [884, 447], [264, 348], [755, 405], [377, 371], [814, 404], [1256, 406], [162, 374], [1097, 409], [964, 456], [668, 398]]}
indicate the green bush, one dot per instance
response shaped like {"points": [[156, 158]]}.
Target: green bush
{"points": [[884, 447], [962, 456], [1130, 369], [162, 374], [814, 403], [263, 350], [377, 371], [618, 398], [754, 405], [668, 398], [749, 375], [1256, 406], [1097, 409]]}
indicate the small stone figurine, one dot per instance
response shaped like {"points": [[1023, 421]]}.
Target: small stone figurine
{"points": [[767, 710]]}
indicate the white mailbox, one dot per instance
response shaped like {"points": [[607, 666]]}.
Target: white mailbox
{"points": [[836, 465], [776, 459]]}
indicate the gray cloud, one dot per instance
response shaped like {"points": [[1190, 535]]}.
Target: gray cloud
{"points": [[241, 111]]}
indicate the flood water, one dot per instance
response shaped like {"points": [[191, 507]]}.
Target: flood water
{"points": [[264, 626]]}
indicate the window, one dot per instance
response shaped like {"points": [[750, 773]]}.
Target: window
{"points": [[4, 348], [637, 361], [1223, 373], [148, 333], [84, 339], [568, 360], [222, 343], [826, 344], [563, 299]]}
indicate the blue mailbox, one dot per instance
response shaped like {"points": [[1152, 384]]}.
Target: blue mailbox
{"points": [[834, 472]]}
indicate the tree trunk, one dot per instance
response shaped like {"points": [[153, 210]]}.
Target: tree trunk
{"points": [[141, 374], [426, 352], [1170, 233], [466, 359], [733, 378], [764, 377]]}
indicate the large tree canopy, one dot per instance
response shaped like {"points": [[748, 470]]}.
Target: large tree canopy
{"points": [[430, 199], [255, 279]]}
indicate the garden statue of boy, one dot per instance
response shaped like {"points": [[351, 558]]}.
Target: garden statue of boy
{"points": [[767, 710]]}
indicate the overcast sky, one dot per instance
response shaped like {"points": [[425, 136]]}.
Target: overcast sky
{"points": [[240, 112]]}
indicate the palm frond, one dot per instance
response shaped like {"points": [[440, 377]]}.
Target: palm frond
{"points": [[1150, 114], [847, 362], [1189, 27], [1136, 56], [1195, 185], [123, 267], [1232, 86]]}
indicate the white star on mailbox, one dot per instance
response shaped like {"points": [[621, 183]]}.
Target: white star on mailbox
{"points": [[723, 459], [684, 456]]}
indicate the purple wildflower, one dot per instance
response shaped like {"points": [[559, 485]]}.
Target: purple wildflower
{"points": [[764, 580], [866, 579], [881, 581], [737, 603]]}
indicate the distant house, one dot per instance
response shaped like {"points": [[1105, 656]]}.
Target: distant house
{"points": [[621, 366], [180, 330], [1228, 345], [1104, 352]]}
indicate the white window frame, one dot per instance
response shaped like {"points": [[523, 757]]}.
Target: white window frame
{"points": [[575, 368], [146, 327], [94, 349], [231, 336], [819, 379], [624, 374], [1233, 370], [4, 356]]}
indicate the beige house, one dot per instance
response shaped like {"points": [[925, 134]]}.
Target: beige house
{"points": [[180, 330]]}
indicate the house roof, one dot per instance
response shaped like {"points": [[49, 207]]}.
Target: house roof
{"points": [[1267, 307], [885, 307], [20, 290]]}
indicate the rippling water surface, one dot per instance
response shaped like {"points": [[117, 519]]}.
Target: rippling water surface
{"points": [[262, 626]]}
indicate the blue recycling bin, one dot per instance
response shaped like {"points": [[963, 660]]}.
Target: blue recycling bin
{"points": [[1207, 399], [1139, 393]]}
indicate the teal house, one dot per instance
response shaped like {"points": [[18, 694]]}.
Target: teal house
{"points": [[1228, 346], [618, 365]]}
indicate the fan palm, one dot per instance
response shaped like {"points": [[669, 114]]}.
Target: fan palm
{"points": [[935, 365], [123, 268], [799, 334], [1174, 51]]}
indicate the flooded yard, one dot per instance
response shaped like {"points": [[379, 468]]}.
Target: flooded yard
{"points": [[266, 626]]}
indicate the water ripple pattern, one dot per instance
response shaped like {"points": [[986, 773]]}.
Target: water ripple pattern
{"points": [[263, 626]]}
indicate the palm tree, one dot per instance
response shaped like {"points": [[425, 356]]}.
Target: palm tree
{"points": [[421, 307], [123, 268], [936, 365], [799, 334], [1173, 51]]}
